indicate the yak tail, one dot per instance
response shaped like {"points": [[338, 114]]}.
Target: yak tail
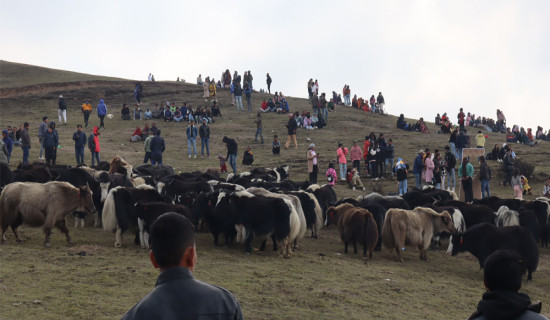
{"points": [[109, 212], [387, 232], [318, 213]]}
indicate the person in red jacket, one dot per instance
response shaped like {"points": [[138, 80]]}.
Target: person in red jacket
{"points": [[93, 145]]}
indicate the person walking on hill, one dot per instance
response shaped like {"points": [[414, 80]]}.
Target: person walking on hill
{"points": [[62, 109], [51, 141], [79, 139], [42, 129], [101, 112], [232, 149], [94, 146], [341, 153], [268, 81], [25, 143], [259, 128], [292, 125], [204, 133], [450, 164], [418, 167], [157, 148], [312, 163], [86, 110], [484, 177], [178, 295], [465, 173], [192, 134]]}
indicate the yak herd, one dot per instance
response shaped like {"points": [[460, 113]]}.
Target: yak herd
{"points": [[265, 204]]}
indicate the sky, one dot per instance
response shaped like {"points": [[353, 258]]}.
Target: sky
{"points": [[426, 57]]}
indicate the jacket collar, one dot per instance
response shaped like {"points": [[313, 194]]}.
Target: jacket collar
{"points": [[174, 274]]}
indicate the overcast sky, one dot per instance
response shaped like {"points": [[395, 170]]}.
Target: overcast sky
{"points": [[425, 56]]}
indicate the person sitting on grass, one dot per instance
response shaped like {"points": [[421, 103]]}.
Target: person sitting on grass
{"points": [[502, 275], [248, 157], [125, 112], [354, 180], [137, 135], [167, 114]]}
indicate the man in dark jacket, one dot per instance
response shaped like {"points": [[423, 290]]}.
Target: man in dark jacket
{"points": [[502, 275], [79, 138], [157, 148], [25, 142], [291, 126], [484, 177], [417, 169], [380, 102], [204, 133], [41, 133], [62, 110], [51, 141], [232, 149], [178, 295], [268, 81], [192, 134], [450, 161], [508, 161], [461, 143]]}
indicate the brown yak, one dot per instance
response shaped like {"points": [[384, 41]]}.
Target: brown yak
{"points": [[355, 225], [46, 205], [414, 227]]}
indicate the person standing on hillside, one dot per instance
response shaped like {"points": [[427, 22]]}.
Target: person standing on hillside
{"points": [[101, 113], [204, 133], [341, 154], [380, 102], [8, 142], [450, 164], [232, 149], [248, 95], [86, 110], [238, 93], [509, 165], [147, 148], [461, 119], [93, 145], [192, 134], [51, 141], [312, 163], [42, 128], [465, 173], [212, 90], [268, 81], [25, 142], [418, 167], [79, 138], [292, 125], [484, 177], [356, 154], [323, 106], [62, 109], [259, 128], [157, 148], [401, 170]]}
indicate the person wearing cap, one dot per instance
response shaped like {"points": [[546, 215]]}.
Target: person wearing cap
{"points": [[401, 170], [86, 110], [79, 138], [94, 146], [25, 143], [312, 163], [192, 134], [418, 167], [8, 142], [51, 141], [62, 110], [42, 129]]}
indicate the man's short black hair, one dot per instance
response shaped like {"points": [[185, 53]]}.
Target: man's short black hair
{"points": [[171, 235], [503, 271]]}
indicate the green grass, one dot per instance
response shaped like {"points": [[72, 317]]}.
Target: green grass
{"points": [[318, 282]]}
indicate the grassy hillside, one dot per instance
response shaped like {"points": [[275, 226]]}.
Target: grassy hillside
{"points": [[13, 75], [94, 280]]}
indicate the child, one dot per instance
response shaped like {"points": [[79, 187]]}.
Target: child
{"points": [[248, 157], [331, 175], [276, 145], [223, 166], [354, 180], [526, 186]]}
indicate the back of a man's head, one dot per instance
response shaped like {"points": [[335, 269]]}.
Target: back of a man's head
{"points": [[171, 235], [503, 271]]}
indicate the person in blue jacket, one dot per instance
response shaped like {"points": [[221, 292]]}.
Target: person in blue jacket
{"points": [[192, 134], [79, 138], [157, 148], [101, 112], [8, 142], [417, 169], [51, 141]]}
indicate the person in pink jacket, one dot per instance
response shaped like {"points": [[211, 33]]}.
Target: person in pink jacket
{"points": [[356, 154], [331, 175], [342, 152], [429, 165]]}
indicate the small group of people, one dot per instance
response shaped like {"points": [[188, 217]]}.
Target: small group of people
{"points": [[86, 109], [373, 105], [277, 104]]}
